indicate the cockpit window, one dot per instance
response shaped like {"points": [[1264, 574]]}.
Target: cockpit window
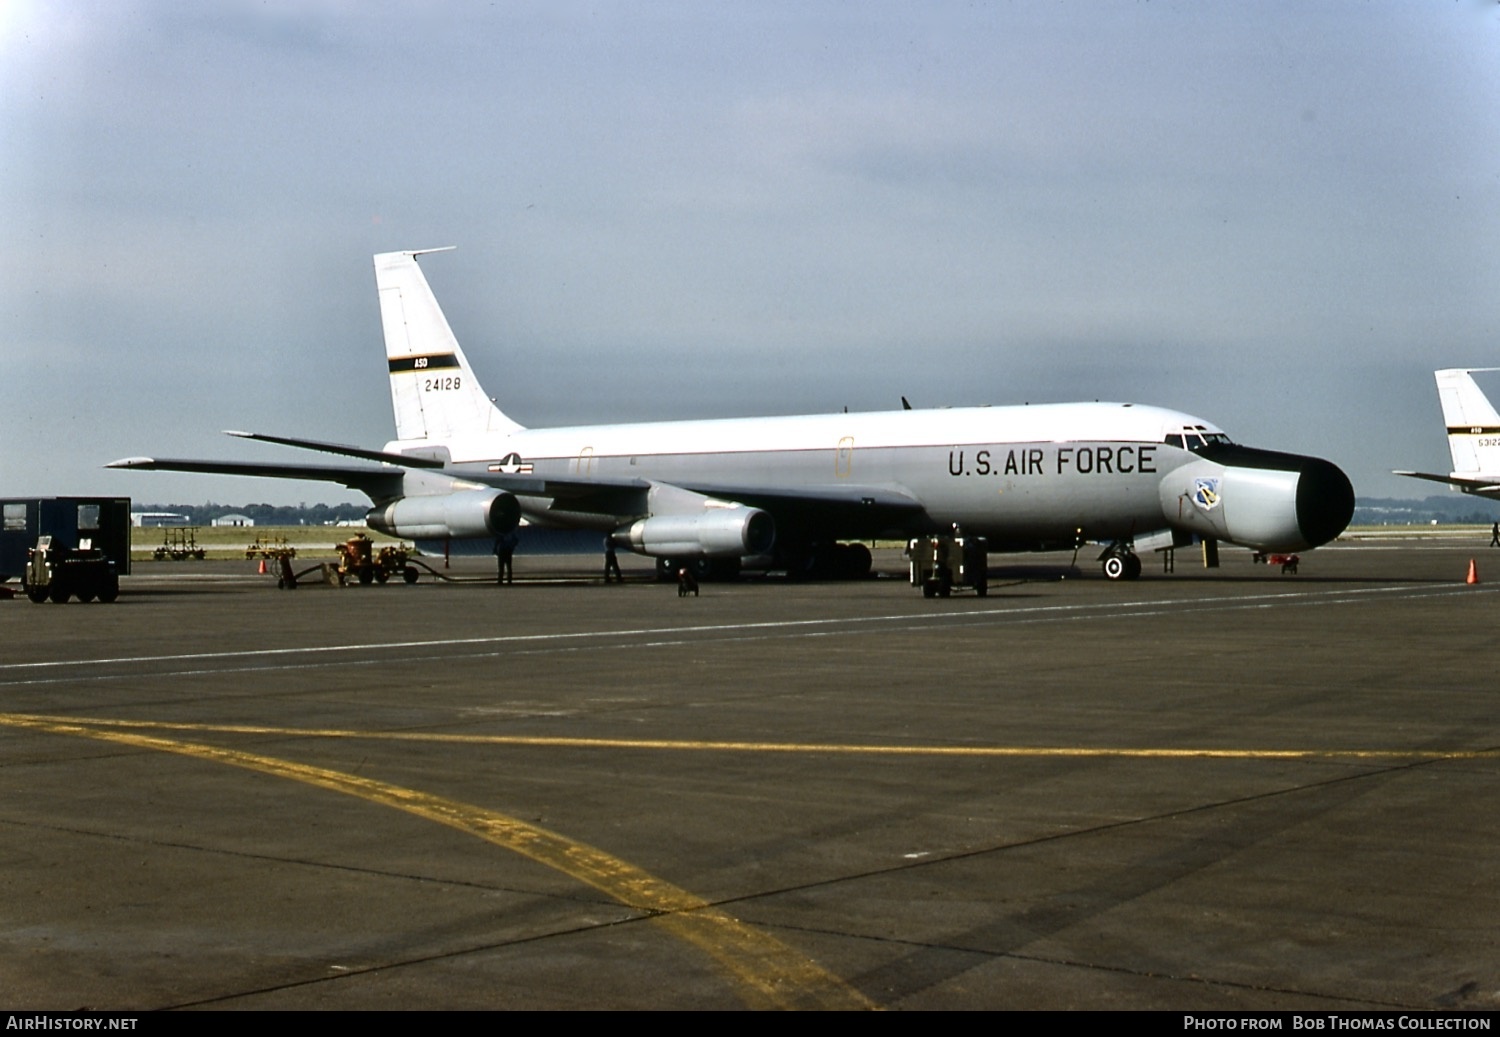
{"points": [[1196, 438]]}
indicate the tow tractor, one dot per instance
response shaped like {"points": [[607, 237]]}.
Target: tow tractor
{"points": [[358, 558], [940, 563], [57, 573]]}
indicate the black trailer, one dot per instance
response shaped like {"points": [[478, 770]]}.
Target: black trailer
{"points": [[73, 523]]}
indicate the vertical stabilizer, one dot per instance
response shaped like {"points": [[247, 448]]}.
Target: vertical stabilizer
{"points": [[433, 390], [1473, 425]]}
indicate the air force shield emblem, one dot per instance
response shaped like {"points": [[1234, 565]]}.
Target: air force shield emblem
{"points": [[1206, 493]]}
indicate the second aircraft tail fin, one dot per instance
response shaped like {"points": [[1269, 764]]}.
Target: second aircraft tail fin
{"points": [[1473, 426], [433, 389]]}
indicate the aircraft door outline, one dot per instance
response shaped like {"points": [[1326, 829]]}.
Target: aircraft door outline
{"points": [[843, 458]]}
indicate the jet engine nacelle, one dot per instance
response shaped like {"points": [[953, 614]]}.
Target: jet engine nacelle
{"points": [[710, 533], [467, 513], [1259, 498]]}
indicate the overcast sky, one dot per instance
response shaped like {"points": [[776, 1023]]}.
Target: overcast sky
{"points": [[1280, 216]]}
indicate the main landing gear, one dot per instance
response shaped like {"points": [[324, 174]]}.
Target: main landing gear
{"points": [[827, 561], [821, 561], [1120, 563]]}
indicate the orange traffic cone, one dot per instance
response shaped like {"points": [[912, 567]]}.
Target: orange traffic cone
{"points": [[263, 567], [1473, 576]]}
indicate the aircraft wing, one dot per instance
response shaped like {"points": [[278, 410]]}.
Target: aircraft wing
{"points": [[1478, 487], [590, 494], [378, 482], [874, 507], [884, 498], [850, 511]]}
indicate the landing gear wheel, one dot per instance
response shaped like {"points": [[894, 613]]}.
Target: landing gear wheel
{"points": [[856, 561], [58, 595], [1122, 567], [109, 592]]}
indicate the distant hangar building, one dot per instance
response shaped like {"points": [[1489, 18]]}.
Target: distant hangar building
{"points": [[152, 519]]}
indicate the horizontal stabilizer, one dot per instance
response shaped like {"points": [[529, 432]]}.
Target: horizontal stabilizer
{"points": [[405, 460], [1482, 487]]}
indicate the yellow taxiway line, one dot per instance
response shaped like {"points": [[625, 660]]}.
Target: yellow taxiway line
{"points": [[770, 974], [712, 745]]}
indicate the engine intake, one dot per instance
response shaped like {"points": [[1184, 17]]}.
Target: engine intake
{"points": [[1259, 498]]}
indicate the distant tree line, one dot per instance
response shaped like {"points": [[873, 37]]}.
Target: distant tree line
{"points": [[264, 514], [1449, 508]]}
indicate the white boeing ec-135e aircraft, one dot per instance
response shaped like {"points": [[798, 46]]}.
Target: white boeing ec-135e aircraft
{"points": [[787, 490], [1473, 434]]}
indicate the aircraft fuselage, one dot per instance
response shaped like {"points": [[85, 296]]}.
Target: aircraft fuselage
{"points": [[1028, 476]]}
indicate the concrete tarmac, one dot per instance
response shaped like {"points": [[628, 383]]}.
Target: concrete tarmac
{"points": [[1224, 789]]}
